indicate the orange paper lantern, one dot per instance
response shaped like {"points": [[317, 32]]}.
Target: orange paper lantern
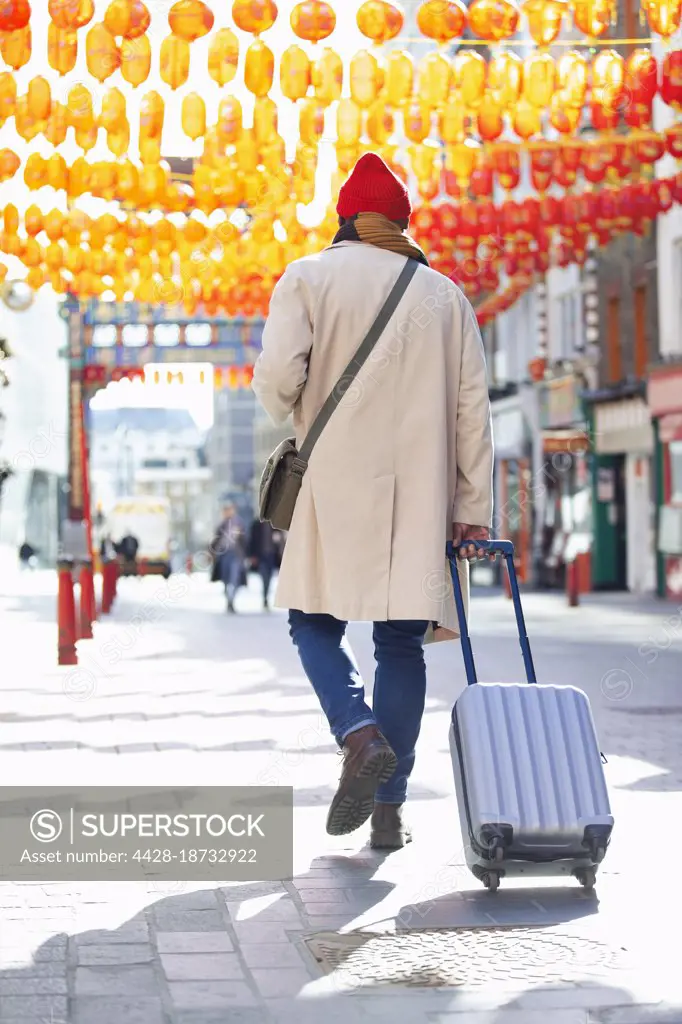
{"points": [[493, 19], [62, 48], [490, 120], [442, 20], [313, 20], [259, 68], [127, 18], [57, 124], [544, 19], [380, 20], [9, 164], [39, 98], [190, 19], [593, 17], [254, 16], [136, 60], [664, 16], [15, 47], [102, 53], [71, 14], [223, 56], [174, 61]]}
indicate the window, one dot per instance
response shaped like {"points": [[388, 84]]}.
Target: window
{"points": [[166, 334], [675, 449], [613, 350], [640, 332], [135, 335]]}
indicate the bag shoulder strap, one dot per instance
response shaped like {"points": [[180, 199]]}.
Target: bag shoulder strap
{"points": [[355, 365]]}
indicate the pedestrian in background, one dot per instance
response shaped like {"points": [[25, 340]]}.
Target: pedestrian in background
{"points": [[265, 554], [229, 546], [403, 465]]}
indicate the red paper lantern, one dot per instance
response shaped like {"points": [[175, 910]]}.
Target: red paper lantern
{"points": [[671, 79], [14, 15]]}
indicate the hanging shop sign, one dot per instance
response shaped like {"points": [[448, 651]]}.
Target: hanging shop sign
{"points": [[560, 403], [509, 430], [623, 426]]}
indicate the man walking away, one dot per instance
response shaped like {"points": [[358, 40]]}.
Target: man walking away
{"points": [[264, 554], [230, 549], [403, 465], [128, 547]]}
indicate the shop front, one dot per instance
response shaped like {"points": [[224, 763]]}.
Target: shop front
{"points": [[623, 491], [562, 494], [664, 394], [513, 472]]}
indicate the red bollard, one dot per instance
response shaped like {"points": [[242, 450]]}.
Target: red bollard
{"points": [[114, 582], [107, 591], [572, 583], [66, 616], [87, 602]]}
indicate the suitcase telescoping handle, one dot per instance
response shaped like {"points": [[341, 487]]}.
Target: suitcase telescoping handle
{"points": [[506, 549]]}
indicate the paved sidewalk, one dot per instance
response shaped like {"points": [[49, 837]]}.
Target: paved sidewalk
{"points": [[173, 692]]}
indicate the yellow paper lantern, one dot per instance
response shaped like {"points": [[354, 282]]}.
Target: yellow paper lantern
{"points": [[9, 164], [366, 78], [102, 54], [127, 179], [35, 278], [39, 98], [254, 16], [229, 122], [608, 79], [15, 47], [79, 107], [313, 20], [79, 177], [399, 77], [348, 123], [571, 77], [452, 121], [380, 20], [380, 122], [136, 60], [57, 172], [493, 19], [265, 120], [469, 75], [54, 256], [26, 125], [593, 17], [34, 172], [461, 159], [11, 219], [8, 95], [57, 124], [544, 19], [152, 109], [435, 75], [33, 221], [259, 68], [190, 19], [223, 56], [442, 20], [327, 76], [246, 151], [505, 75], [174, 61], [417, 121], [539, 74], [54, 225], [127, 18], [86, 138], [490, 120], [526, 121], [664, 16], [193, 116], [62, 48], [311, 122], [294, 73], [119, 140], [113, 112], [32, 254], [71, 14], [150, 150]]}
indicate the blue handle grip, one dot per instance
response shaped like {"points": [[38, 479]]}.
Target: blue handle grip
{"points": [[505, 548]]}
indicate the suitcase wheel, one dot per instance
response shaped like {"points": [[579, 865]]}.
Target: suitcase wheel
{"points": [[491, 880], [587, 878]]}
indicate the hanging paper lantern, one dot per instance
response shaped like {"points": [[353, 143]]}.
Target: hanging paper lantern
{"points": [[193, 116], [538, 79], [39, 98], [34, 171], [119, 141], [366, 78], [313, 20], [541, 166], [641, 77], [190, 19], [507, 164], [265, 120], [259, 68], [442, 20], [136, 60], [15, 47], [223, 56], [571, 77], [649, 149], [417, 121], [380, 123], [71, 14], [348, 123], [86, 138], [8, 95], [174, 61], [327, 76], [14, 15], [544, 19], [127, 18], [57, 124], [490, 120], [593, 17], [608, 80], [493, 19], [79, 107], [461, 159], [229, 121], [526, 120], [671, 79], [102, 53], [152, 109], [505, 74], [113, 112], [664, 16], [399, 77], [469, 74], [435, 74], [380, 20], [9, 164], [254, 16], [673, 140], [62, 48], [294, 73], [563, 114]]}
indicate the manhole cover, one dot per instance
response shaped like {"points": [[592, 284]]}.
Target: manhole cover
{"points": [[468, 957]]}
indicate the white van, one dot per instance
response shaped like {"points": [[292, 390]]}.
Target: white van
{"points": [[148, 519]]}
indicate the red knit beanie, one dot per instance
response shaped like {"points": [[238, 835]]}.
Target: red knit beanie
{"points": [[374, 188]]}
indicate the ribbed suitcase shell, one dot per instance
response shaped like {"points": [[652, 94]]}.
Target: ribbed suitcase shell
{"points": [[528, 757]]}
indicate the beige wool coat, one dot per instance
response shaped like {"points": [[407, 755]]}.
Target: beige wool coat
{"points": [[407, 452]]}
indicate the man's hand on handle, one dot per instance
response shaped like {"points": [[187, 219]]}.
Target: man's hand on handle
{"points": [[463, 532]]}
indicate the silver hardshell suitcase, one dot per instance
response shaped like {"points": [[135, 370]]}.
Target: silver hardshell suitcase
{"points": [[528, 771]]}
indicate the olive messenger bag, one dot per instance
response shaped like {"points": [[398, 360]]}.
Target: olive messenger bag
{"points": [[283, 474]]}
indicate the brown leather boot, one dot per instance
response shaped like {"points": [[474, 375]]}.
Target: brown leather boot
{"points": [[389, 831], [368, 761]]}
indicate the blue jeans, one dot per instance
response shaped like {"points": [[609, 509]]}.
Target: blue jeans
{"points": [[399, 685]]}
